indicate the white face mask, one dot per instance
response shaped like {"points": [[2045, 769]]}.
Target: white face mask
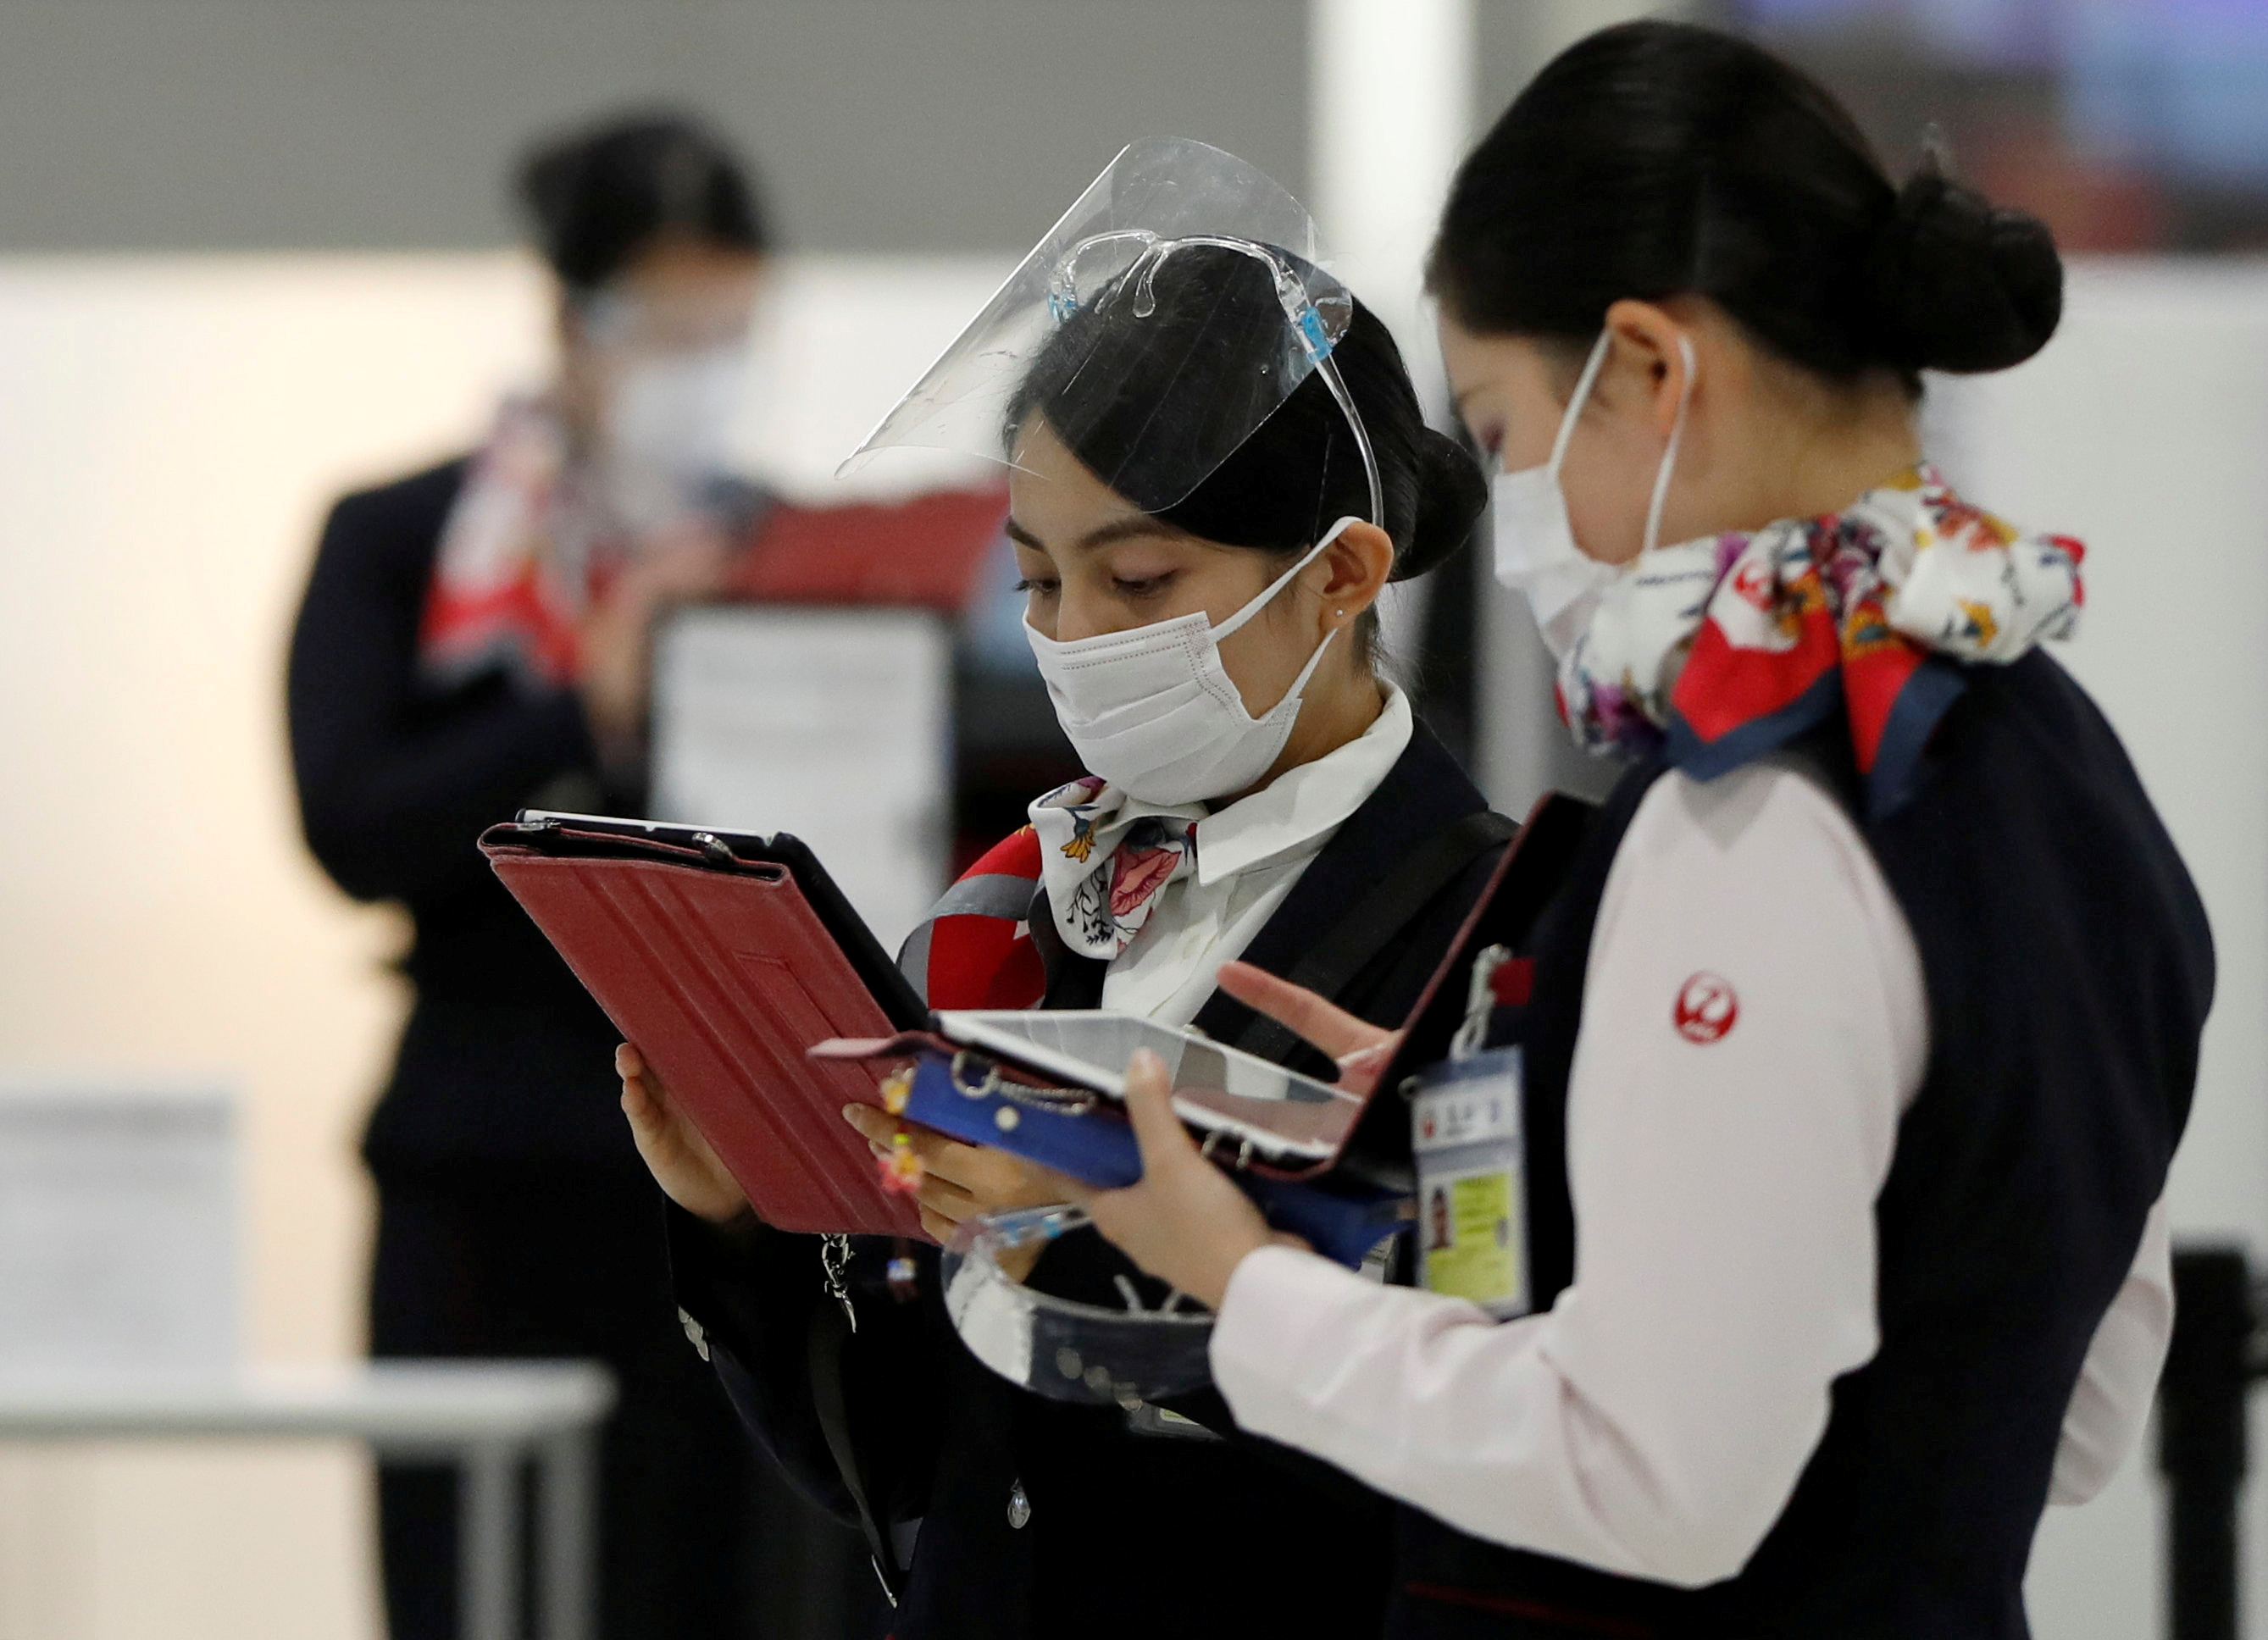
{"points": [[667, 427], [1536, 549], [1154, 712]]}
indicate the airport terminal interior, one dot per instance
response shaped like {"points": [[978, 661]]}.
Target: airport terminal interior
{"points": [[336, 1302]]}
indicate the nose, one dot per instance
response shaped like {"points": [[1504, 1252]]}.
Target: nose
{"points": [[1081, 614]]}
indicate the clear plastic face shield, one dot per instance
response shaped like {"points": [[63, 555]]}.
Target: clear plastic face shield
{"points": [[1156, 327], [1169, 313]]}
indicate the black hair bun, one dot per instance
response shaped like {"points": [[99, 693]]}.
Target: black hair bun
{"points": [[1451, 495], [1965, 285], [599, 195]]}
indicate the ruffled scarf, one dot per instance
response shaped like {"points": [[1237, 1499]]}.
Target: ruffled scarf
{"points": [[1103, 868], [1106, 859], [1716, 651], [525, 551]]}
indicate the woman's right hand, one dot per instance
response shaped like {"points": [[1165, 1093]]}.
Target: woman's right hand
{"points": [[683, 564], [679, 1158]]}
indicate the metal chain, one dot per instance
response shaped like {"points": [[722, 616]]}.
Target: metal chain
{"points": [[1063, 1102], [833, 1262]]}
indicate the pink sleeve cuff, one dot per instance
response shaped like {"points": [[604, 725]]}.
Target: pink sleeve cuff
{"points": [[1279, 1299]]}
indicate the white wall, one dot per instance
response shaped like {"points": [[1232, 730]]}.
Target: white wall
{"points": [[876, 126], [169, 434], [171, 431]]}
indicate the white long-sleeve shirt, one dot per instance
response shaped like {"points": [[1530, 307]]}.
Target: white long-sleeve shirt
{"points": [[1655, 1420]]}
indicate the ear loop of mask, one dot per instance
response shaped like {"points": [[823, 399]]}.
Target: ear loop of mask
{"points": [[1300, 683], [1669, 456], [1285, 580], [1576, 400]]}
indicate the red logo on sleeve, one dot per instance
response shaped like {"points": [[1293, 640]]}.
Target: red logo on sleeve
{"points": [[1707, 1007]]}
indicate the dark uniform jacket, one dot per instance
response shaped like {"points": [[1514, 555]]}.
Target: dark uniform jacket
{"points": [[505, 1059], [2068, 970], [1041, 1519], [514, 1216]]}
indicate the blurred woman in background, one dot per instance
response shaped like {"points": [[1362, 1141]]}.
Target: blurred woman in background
{"points": [[474, 640]]}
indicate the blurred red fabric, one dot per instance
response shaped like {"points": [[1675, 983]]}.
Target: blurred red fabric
{"points": [[928, 552]]}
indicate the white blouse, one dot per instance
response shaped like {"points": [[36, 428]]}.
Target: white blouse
{"points": [[1655, 1420], [1247, 856]]}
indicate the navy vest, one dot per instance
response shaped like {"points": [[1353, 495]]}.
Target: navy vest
{"points": [[2068, 970]]}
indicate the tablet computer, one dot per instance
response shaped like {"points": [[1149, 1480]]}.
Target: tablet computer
{"points": [[1089, 1048], [727, 850], [723, 956]]}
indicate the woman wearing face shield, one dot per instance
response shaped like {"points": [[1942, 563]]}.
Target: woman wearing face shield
{"points": [[474, 640], [1857, 1044], [1206, 518]]}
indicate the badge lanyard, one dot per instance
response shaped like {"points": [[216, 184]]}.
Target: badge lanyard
{"points": [[1466, 1133]]}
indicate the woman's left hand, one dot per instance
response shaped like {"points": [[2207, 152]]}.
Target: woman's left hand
{"points": [[959, 1181], [1184, 1221]]}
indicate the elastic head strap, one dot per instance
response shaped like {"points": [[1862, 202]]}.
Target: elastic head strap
{"points": [[1330, 372]]}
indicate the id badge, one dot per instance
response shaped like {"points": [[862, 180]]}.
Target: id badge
{"points": [[1472, 1182]]}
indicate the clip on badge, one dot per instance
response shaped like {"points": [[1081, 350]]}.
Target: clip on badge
{"points": [[1465, 1135], [1472, 1181]]}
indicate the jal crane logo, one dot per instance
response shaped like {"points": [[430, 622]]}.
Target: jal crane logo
{"points": [[1707, 1008]]}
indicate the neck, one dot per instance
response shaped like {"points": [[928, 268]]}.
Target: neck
{"points": [[1328, 719], [1823, 457], [574, 398]]}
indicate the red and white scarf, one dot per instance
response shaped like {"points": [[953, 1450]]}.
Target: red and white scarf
{"points": [[1718, 650], [1106, 859], [525, 550], [1104, 872]]}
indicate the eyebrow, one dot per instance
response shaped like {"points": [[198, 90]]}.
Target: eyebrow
{"points": [[1103, 535]]}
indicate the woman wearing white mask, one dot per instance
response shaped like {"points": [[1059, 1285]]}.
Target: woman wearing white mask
{"points": [[474, 640], [1217, 464], [1855, 1049]]}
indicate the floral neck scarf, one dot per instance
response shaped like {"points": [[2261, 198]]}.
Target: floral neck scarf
{"points": [[1106, 858], [524, 551], [1716, 651]]}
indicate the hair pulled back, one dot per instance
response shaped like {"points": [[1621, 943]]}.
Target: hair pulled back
{"points": [[601, 196], [1654, 159], [1198, 351]]}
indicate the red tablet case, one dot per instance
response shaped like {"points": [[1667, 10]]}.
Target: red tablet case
{"points": [[928, 551], [723, 979]]}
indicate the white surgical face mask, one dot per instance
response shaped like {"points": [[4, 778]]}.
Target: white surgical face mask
{"points": [[1153, 711], [667, 427], [1536, 549]]}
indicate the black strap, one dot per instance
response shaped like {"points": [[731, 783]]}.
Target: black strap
{"points": [[1073, 979], [830, 1329], [1379, 916]]}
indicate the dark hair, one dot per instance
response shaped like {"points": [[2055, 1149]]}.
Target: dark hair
{"points": [[1119, 376], [1653, 159], [603, 194]]}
